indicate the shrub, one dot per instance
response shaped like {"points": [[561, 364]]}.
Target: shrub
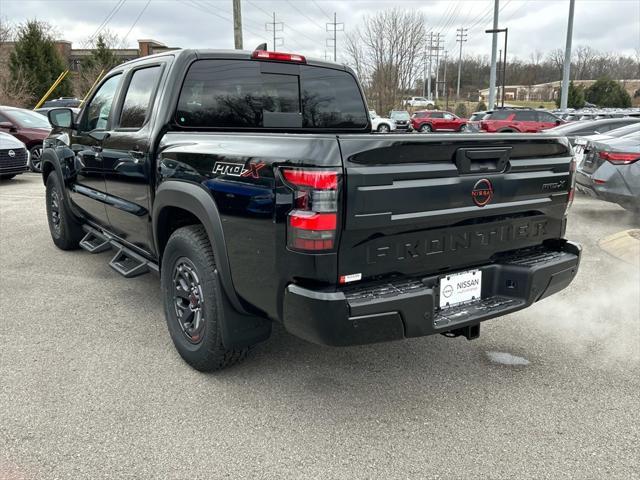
{"points": [[461, 110], [481, 107], [608, 93]]}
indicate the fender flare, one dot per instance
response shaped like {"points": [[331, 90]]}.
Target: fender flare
{"points": [[195, 199]]}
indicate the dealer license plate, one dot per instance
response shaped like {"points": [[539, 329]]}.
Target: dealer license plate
{"points": [[460, 287]]}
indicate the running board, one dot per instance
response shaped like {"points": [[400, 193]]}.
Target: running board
{"points": [[95, 242], [126, 262]]}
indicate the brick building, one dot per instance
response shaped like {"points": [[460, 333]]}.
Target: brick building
{"points": [[74, 56]]}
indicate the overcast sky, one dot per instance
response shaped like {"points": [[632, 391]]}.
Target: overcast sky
{"points": [[606, 25]]}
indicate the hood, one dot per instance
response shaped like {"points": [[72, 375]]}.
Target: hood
{"points": [[35, 133], [8, 141]]}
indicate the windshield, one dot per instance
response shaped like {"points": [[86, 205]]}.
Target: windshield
{"points": [[248, 94], [477, 116], [400, 115], [28, 119]]}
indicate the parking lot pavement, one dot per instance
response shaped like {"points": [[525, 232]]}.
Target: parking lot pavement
{"points": [[91, 387]]}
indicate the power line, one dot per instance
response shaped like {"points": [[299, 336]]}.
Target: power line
{"points": [[305, 15], [135, 22], [201, 8], [105, 22], [320, 8]]}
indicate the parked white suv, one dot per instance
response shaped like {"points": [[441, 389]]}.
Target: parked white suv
{"points": [[421, 102], [381, 124]]}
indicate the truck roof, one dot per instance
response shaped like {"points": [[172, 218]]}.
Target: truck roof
{"points": [[230, 54]]}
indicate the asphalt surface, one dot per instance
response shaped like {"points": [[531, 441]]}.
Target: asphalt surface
{"points": [[91, 386]]}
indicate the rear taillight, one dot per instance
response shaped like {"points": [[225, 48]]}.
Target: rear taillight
{"points": [[312, 224], [619, 158], [278, 56]]}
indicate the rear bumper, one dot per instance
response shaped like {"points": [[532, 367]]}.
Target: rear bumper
{"points": [[409, 307], [610, 185]]}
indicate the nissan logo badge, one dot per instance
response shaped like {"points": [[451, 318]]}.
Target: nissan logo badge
{"points": [[12, 153], [482, 192]]}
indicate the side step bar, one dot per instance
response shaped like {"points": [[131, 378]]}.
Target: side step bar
{"points": [[126, 262]]}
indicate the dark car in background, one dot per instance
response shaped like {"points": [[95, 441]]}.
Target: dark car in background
{"points": [[583, 128], [13, 156], [611, 171], [402, 119], [518, 121], [69, 102], [437, 121], [29, 127]]}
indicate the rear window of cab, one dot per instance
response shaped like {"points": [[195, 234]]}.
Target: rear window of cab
{"points": [[240, 94]]}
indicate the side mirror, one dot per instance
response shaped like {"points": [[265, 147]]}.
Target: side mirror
{"points": [[558, 122], [61, 117], [7, 126]]}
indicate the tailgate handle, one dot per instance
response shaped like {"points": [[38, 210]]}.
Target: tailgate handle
{"points": [[482, 160]]}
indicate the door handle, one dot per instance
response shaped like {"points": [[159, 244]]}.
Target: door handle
{"points": [[136, 155]]}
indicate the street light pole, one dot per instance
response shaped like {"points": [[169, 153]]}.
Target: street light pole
{"points": [[504, 62], [564, 97], [494, 51]]}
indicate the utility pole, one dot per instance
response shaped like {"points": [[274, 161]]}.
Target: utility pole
{"points": [[437, 48], [274, 27], [461, 37], [564, 97], [430, 48], [237, 25], [444, 83], [494, 51], [333, 42]]}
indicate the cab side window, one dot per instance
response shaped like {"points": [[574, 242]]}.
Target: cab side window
{"points": [[99, 108], [137, 101]]}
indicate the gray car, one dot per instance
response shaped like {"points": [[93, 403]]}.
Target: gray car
{"points": [[611, 171], [583, 128]]}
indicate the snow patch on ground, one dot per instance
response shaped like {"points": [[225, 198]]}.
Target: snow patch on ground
{"points": [[506, 358]]}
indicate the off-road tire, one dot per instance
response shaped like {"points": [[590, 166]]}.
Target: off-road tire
{"points": [[65, 230], [207, 353]]}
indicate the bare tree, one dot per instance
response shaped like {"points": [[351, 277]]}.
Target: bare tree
{"points": [[386, 52]]}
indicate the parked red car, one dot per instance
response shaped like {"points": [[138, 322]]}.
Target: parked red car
{"points": [[522, 121], [29, 127], [437, 121]]}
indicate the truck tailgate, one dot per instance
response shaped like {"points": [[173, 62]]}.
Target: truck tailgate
{"points": [[418, 204]]}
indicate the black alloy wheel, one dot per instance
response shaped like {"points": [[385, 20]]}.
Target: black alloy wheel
{"points": [[188, 300]]}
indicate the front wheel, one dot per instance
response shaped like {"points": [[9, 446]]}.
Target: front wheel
{"points": [[426, 128], [383, 128], [192, 301], [65, 231], [34, 161], [463, 128]]}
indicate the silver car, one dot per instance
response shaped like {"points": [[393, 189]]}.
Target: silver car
{"points": [[610, 170]]}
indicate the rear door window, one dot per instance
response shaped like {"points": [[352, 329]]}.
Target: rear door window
{"points": [[500, 115], [239, 94], [526, 116], [138, 98]]}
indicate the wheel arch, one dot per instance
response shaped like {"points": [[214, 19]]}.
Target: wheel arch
{"points": [[175, 196]]}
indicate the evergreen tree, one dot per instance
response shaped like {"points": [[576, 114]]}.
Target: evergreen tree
{"points": [[575, 98], [608, 93], [481, 107], [102, 57], [36, 61], [461, 110]]}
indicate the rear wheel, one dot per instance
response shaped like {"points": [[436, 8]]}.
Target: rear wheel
{"points": [[426, 128], [34, 163], [192, 301], [506, 130], [65, 231], [463, 128], [383, 128]]}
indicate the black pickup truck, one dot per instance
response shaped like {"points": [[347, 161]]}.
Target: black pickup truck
{"points": [[250, 182]]}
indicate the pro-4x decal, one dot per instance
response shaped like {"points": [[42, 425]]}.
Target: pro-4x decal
{"points": [[238, 169]]}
